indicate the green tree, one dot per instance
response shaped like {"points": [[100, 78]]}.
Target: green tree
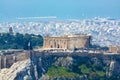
{"points": [[19, 41]]}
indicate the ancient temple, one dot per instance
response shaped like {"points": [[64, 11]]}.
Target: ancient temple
{"points": [[67, 42], [114, 49]]}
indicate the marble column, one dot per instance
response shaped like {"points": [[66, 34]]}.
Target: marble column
{"points": [[53, 43], [5, 62], [56, 43], [59, 43]]}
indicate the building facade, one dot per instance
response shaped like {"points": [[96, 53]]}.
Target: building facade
{"points": [[114, 49], [67, 42]]}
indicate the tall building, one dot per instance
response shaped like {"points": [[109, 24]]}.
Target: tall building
{"points": [[67, 42], [10, 30]]}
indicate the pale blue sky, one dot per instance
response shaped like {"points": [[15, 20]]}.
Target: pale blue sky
{"points": [[63, 9]]}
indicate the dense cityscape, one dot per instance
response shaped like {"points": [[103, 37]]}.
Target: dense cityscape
{"points": [[59, 40], [104, 31]]}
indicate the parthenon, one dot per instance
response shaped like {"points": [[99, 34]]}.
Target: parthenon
{"points": [[67, 42]]}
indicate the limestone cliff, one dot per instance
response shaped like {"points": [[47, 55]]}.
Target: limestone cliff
{"points": [[64, 67], [21, 70]]}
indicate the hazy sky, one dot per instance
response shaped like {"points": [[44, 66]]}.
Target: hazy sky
{"points": [[63, 9]]}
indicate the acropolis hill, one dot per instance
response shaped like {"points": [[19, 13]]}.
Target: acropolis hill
{"points": [[19, 64], [61, 50], [80, 43]]}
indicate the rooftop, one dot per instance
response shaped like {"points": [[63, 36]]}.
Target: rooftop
{"points": [[72, 35]]}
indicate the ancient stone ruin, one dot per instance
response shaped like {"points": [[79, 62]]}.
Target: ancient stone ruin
{"points": [[67, 42]]}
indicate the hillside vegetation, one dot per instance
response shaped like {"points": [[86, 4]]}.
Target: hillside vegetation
{"points": [[20, 41]]}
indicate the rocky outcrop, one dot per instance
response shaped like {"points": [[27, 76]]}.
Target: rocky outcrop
{"points": [[14, 70], [62, 66]]}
